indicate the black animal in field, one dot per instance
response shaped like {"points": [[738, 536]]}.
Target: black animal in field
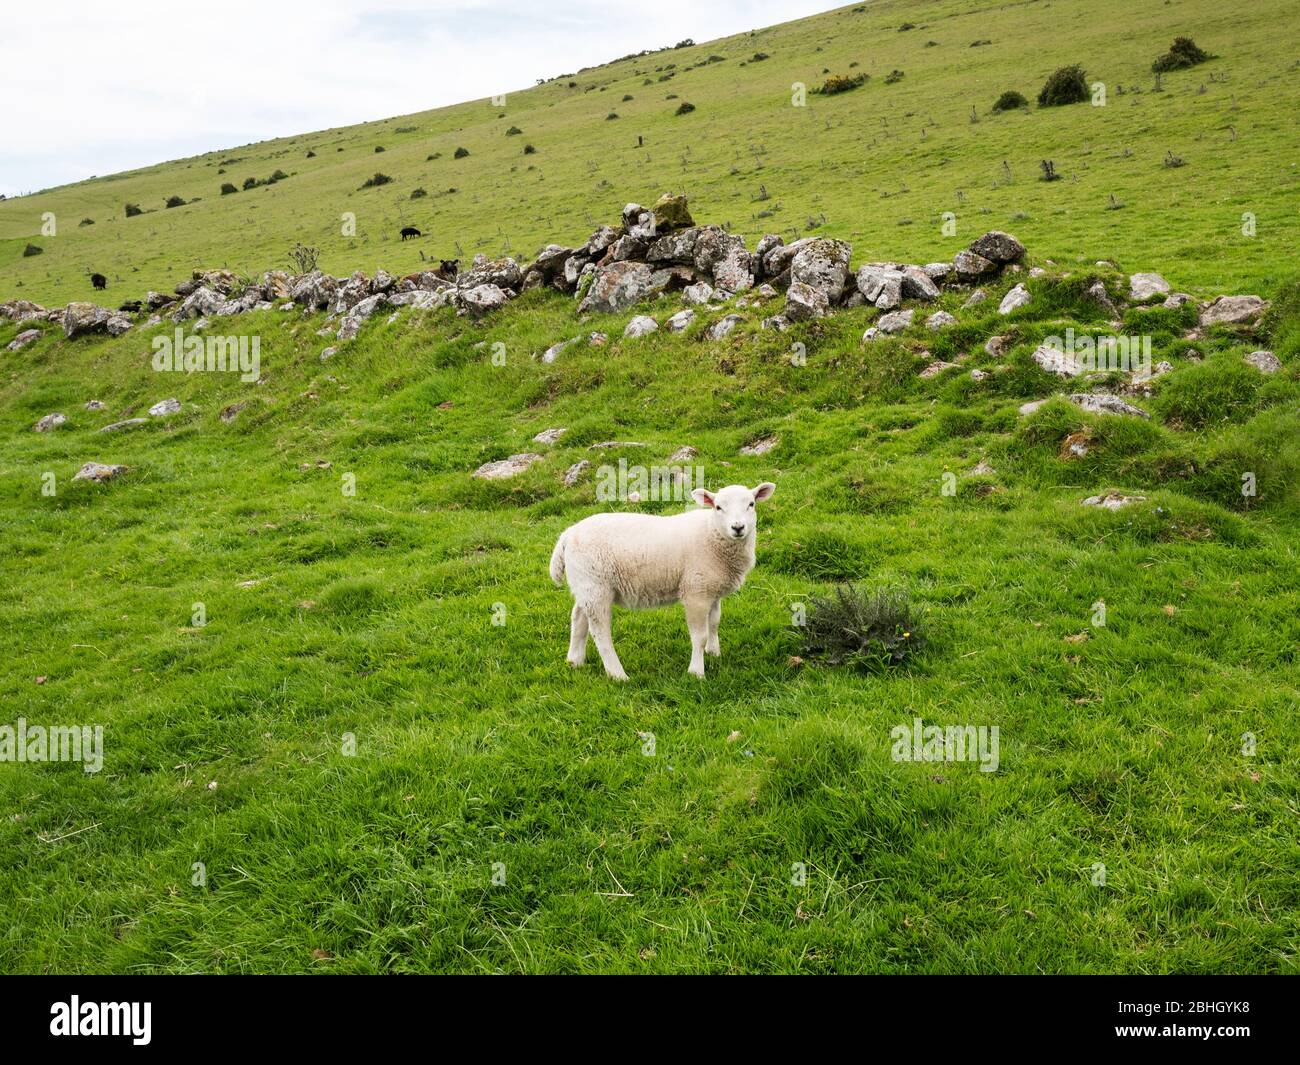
{"points": [[99, 281], [448, 269], [410, 231]]}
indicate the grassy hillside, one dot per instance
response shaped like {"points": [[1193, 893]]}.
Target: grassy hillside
{"points": [[340, 734], [879, 166], [371, 615]]}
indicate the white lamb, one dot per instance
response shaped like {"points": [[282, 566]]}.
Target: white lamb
{"points": [[642, 560]]}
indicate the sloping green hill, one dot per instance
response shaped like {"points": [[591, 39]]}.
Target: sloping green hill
{"points": [[879, 165]]}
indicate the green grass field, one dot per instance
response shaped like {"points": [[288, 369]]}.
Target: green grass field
{"points": [[375, 777]]}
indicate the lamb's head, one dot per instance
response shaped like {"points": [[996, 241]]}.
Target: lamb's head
{"points": [[735, 515]]}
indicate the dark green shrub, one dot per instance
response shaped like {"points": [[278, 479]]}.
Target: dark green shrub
{"points": [[838, 83], [133, 209], [175, 201], [870, 631], [1182, 53], [1010, 101], [529, 149], [227, 188], [418, 194], [31, 250], [1068, 85], [376, 181], [893, 77], [461, 153], [685, 108], [513, 131]]}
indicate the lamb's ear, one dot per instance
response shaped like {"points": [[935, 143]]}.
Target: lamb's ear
{"points": [[702, 496], [763, 491]]}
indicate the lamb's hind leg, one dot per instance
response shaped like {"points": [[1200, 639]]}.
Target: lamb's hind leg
{"points": [[712, 647], [697, 621], [577, 637], [600, 621]]}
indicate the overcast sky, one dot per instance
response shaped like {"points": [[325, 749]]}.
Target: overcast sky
{"points": [[96, 88]]}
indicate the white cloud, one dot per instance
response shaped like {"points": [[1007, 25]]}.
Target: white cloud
{"points": [[102, 89]]}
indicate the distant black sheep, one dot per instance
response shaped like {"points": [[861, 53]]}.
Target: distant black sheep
{"points": [[410, 231], [99, 281], [448, 269]]}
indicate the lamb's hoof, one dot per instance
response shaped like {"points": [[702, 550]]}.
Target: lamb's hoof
{"points": [[697, 672], [620, 676], [716, 652], [576, 663]]}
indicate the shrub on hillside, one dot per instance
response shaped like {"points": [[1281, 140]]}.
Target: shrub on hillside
{"points": [[311, 155], [869, 631], [279, 175], [227, 188], [303, 258], [1182, 53], [529, 149], [513, 131], [418, 194], [461, 153], [1010, 101], [31, 250], [838, 83], [175, 201], [685, 108], [1067, 85], [133, 209], [86, 222], [894, 77], [378, 148], [250, 183], [376, 181]]}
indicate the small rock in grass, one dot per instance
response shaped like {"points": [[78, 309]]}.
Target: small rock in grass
{"points": [[503, 468], [98, 472], [50, 421]]}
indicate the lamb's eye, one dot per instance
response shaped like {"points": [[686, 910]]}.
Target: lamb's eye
{"points": [[751, 504], [717, 508]]}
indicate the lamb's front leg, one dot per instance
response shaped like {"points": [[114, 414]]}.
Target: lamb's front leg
{"points": [[697, 621], [712, 647]]}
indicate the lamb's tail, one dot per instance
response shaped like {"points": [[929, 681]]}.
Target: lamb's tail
{"points": [[557, 560]]}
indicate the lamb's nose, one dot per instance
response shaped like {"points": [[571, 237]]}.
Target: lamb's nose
{"points": [[738, 529]]}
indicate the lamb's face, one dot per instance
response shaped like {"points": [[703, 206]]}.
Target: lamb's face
{"points": [[735, 511]]}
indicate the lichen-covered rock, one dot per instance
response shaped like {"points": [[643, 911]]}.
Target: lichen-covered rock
{"points": [[639, 223], [999, 247], [1232, 310], [164, 407], [822, 264], [1264, 361], [1015, 299], [671, 212], [896, 321], [723, 327], [678, 247], [680, 321], [98, 472], [881, 285], [617, 286], [971, 266], [1144, 286], [511, 467], [1061, 363], [81, 318], [480, 300], [27, 336], [697, 295], [1100, 403], [803, 302], [50, 421], [940, 320], [640, 326]]}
